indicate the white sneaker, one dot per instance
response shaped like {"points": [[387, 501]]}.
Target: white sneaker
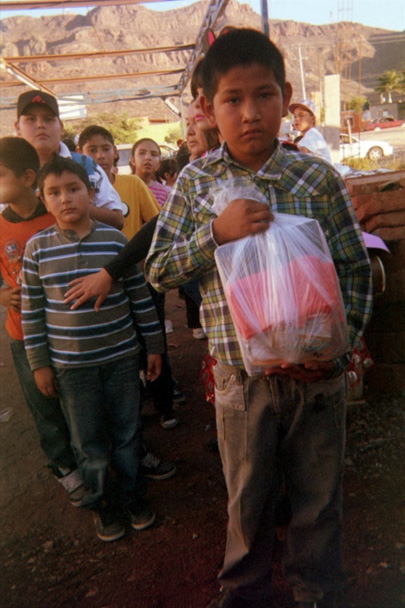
{"points": [[199, 334]]}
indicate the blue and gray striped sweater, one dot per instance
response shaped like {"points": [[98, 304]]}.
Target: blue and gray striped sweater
{"points": [[54, 334]]}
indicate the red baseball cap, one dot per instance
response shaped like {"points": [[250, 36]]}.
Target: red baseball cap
{"points": [[36, 97]]}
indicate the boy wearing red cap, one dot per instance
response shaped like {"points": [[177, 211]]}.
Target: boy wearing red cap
{"points": [[38, 122]]}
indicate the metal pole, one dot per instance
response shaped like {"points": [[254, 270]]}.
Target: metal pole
{"points": [[265, 18], [304, 94]]}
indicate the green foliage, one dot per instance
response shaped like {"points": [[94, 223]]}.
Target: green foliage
{"points": [[173, 136], [357, 103], [390, 81], [69, 132], [396, 163], [123, 128]]}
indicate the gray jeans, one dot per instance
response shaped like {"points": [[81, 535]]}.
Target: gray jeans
{"points": [[267, 426]]}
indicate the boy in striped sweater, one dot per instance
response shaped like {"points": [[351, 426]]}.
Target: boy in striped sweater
{"points": [[89, 359]]}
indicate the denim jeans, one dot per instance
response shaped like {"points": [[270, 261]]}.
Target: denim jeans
{"points": [[266, 425], [101, 405], [48, 416]]}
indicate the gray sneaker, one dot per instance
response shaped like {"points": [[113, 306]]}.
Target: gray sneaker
{"points": [[107, 526], [72, 482], [141, 514], [156, 468]]}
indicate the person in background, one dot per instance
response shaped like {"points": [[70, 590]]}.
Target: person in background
{"points": [[198, 146], [23, 217], [38, 122], [291, 416], [311, 139], [90, 360], [144, 162], [98, 143], [167, 172]]}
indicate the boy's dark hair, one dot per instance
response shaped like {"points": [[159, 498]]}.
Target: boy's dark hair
{"points": [[19, 156], [92, 130], [58, 165], [240, 47], [168, 165]]}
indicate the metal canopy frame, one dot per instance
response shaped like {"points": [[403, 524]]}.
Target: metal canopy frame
{"points": [[12, 64]]}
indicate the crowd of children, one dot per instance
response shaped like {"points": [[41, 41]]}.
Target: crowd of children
{"points": [[79, 316]]}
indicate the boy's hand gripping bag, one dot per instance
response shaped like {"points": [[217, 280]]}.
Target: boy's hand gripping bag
{"points": [[282, 291]]}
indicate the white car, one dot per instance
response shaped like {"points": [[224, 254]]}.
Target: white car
{"points": [[124, 152], [364, 148]]}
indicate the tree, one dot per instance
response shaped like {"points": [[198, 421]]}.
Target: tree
{"points": [[357, 103], [390, 81], [123, 129], [173, 136]]}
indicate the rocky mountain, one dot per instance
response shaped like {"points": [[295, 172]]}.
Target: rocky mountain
{"points": [[359, 53]]}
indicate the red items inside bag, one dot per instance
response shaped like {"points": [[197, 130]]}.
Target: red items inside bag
{"points": [[283, 294], [253, 300]]}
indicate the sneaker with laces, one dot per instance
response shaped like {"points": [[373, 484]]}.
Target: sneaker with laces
{"points": [[156, 468], [72, 482], [141, 514], [108, 528], [199, 334], [169, 421], [178, 397]]}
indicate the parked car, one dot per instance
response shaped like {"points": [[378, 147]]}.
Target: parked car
{"points": [[363, 148], [384, 123]]}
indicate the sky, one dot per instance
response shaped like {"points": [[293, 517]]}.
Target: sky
{"points": [[387, 14]]}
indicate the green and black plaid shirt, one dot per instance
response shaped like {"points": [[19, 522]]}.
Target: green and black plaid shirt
{"points": [[183, 245]]}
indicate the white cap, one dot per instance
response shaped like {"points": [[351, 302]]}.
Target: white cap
{"points": [[306, 104]]}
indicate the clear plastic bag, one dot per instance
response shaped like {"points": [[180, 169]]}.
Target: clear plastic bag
{"points": [[283, 293]]}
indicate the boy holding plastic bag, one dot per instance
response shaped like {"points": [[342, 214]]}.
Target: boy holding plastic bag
{"points": [[292, 412]]}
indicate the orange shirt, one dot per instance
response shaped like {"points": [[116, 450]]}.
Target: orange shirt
{"points": [[14, 234]]}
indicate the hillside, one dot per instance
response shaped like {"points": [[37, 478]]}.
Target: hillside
{"points": [[352, 49]]}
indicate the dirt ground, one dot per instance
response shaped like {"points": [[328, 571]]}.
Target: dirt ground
{"points": [[50, 556]]}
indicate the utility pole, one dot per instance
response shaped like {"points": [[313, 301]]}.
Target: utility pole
{"points": [[265, 18], [304, 94]]}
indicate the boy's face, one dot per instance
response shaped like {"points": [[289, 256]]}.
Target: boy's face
{"points": [[247, 108], [41, 128], [12, 188], [68, 199], [303, 120], [102, 151]]}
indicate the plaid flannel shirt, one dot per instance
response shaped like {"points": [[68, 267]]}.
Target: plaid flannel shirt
{"points": [[183, 245]]}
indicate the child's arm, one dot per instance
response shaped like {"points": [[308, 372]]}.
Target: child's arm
{"points": [[122, 265], [187, 234], [10, 297], [241, 218], [112, 217], [147, 321], [33, 305], [154, 367], [46, 382]]}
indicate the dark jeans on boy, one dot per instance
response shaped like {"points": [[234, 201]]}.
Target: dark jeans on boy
{"points": [[262, 423], [101, 405], [48, 416]]}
